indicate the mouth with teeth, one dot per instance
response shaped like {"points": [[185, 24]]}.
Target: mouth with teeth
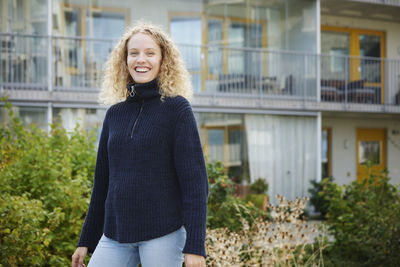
{"points": [[142, 69]]}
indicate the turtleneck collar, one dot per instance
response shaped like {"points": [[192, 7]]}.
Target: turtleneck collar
{"points": [[142, 91]]}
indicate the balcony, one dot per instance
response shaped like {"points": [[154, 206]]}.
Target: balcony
{"points": [[379, 2], [229, 78]]}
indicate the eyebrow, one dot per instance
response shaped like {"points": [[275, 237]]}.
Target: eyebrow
{"points": [[144, 49]]}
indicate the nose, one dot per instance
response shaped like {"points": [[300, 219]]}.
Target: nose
{"points": [[140, 57]]}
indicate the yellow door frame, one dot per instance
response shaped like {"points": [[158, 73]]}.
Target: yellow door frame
{"points": [[354, 48], [371, 134]]}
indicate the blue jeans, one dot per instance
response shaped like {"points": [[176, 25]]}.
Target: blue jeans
{"points": [[162, 251]]}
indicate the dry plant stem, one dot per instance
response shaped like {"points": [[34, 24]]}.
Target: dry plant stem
{"points": [[280, 242]]}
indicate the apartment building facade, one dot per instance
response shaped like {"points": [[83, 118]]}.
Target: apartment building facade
{"points": [[285, 90]]}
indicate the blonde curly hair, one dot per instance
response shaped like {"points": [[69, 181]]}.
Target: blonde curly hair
{"points": [[173, 79]]}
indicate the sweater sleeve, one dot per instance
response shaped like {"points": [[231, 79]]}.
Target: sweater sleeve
{"points": [[192, 175], [93, 227]]}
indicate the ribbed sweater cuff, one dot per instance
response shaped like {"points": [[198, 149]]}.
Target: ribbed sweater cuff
{"points": [[90, 247], [87, 241], [194, 246]]}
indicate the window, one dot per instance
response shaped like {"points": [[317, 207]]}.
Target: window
{"points": [[325, 153], [27, 115], [223, 140], [89, 35], [186, 32], [203, 51], [369, 152]]}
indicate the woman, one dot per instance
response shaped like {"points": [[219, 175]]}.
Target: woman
{"points": [[149, 198]]}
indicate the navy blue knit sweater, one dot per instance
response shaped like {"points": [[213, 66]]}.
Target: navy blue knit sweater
{"points": [[150, 176]]}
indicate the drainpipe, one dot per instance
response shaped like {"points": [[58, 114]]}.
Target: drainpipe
{"points": [[318, 147], [49, 64], [318, 59]]}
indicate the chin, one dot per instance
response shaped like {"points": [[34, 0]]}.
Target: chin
{"points": [[143, 79]]}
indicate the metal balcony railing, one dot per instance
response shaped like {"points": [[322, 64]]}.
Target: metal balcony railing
{"points": [[23, 61], [364, 80], [77, 65], [380, 2], [251, 71]]}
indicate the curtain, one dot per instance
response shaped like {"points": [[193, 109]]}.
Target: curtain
{"points": [[282, 150]]}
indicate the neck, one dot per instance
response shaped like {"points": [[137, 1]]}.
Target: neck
{"points": [[143, 91]]}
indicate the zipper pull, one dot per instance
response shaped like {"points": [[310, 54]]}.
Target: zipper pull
{"points": [[132, 92]]}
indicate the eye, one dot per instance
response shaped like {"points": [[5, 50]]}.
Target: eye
{"points": [[150, 53], [133, 53]]}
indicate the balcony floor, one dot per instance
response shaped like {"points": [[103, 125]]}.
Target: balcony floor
{"points": [[207, 102]]}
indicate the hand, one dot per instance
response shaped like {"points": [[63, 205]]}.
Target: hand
{"points": [[192, 260], [79, 256]]}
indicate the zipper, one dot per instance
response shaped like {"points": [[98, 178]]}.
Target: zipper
{"points": [[137, 117], [132, 92]]}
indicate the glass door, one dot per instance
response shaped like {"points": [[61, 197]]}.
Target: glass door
{"points": [[363, 70], [370, 65], [371, 150]]}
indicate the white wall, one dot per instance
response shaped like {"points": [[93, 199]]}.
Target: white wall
{"points": [[343, 159]]}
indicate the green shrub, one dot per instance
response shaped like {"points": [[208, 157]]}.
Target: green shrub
{"points": [[221, 186], [45, 185], [225, 210], [318, 195], [260, 186], [364, 219], [258, 193], [257, 200], [22, 235]]}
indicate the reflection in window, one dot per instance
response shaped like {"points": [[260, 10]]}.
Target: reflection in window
{"points": [[71, 23], [102, 25], [338, 60], [79, 61], [369, 152], [337, 45], [223, 139], [186, 33], [370, 46], [216, 144], [88, 119], [214, 48], [71, 29], [28, 116]]}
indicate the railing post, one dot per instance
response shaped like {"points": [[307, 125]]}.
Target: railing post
{"points": [[383, 81]]}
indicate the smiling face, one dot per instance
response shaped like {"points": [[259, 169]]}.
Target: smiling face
{"points": [[143, 58]]}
